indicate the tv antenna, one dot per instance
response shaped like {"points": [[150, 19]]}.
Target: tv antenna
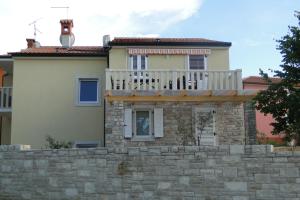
{"points": [[63, 7], [35, 29]]}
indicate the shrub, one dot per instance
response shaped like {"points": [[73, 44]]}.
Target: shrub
{"points": [[56, 144]]}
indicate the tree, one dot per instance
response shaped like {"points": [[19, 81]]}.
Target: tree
{"points": [[282, 99]]}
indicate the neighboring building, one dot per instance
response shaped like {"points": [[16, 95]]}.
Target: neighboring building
{"points": [[263, 122], [131, 91]]}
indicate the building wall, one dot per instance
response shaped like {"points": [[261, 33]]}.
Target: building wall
{"points": [[5, 129], [263, 122], [44, 97], [217, 60], [169, 172], [178, 118]]}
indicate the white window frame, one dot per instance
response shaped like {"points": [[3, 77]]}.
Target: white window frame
{"points": [[139, 63], [151, 124], [77, 92], [205, 62]]}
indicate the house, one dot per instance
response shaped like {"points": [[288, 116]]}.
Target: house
{"points": [[130, 92], [263, 122]]}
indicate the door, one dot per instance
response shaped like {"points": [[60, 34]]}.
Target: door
{"points": [[204, 119]]}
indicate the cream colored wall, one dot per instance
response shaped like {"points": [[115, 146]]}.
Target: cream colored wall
{"points": [[44, 101], [217, 60], [6, 129]]}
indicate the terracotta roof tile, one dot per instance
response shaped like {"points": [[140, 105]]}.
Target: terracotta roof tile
{"points": [[60, 51], [166, 41], [259, 80]]}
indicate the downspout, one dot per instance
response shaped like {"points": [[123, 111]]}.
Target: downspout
{"points": [[104, 106]]}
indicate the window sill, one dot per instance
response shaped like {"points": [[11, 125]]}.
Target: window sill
{"points": [[88, 104], [142, 139]]}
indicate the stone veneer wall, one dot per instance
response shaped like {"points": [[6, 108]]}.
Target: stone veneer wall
{"points": [[250, 122], [169, 172], [178, 120]]}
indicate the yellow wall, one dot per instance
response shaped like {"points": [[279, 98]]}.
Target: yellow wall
{"points": [[44, 101], [217, 60]]}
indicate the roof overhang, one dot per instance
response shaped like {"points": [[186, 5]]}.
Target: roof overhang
{"points": [[190, 44]]}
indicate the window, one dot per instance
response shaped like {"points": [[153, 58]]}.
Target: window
{"points": [[88, 91], [142, 124], [197, 62], [86, 144], [138, 62]]}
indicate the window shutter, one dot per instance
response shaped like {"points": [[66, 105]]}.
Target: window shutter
{"points": [[128, 123], [158, 122]]}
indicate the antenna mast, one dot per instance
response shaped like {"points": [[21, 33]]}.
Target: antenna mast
{"points": [[63, 7], [35, 29]]}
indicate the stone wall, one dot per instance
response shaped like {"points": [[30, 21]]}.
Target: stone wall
{"points": [[178, 122], [250, 122], [170, 172]]}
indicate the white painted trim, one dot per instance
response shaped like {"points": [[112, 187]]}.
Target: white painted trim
{"points": [[77, 91]]}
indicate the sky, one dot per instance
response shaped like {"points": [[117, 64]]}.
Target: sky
{"points": [[253, 26]]}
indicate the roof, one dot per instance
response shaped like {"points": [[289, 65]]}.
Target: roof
{"points": [[6, 56], [259, 80], [128, 41], [94, 51]]}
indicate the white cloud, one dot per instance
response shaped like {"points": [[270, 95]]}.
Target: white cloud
{"points": [[92, 19]]}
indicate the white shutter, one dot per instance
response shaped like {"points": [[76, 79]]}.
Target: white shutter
{"points": [[128, 123], [158, 122]]}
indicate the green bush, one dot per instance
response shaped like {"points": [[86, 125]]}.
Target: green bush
{"points": [[55, 144]]}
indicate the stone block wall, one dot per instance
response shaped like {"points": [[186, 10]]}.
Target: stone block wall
{"points": [[223, 172], [250, 122], [178, 122]]}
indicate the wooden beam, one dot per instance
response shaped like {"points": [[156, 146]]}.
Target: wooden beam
{"points": [[181, 98]]}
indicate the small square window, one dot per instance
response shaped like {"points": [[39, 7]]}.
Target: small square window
{"points": [[88, 91], [197, 62]]}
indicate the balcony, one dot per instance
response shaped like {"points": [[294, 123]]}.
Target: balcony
{"points": [[5, 99], [175, 80]]}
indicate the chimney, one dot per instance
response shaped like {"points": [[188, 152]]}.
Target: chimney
{"points": [[106, 40], [67, 38], [31, 43]]}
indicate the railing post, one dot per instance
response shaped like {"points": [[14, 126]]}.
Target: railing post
{"points": [[239, 85], [174, 80]]}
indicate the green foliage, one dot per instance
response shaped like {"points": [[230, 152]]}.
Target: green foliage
{"points": [[282, 99], [55, 144]]}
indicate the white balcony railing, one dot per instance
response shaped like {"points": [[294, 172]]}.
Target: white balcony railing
{"points": [[173, 80], [5, 99]]}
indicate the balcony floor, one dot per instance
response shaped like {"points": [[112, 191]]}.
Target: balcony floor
{"points": [[180, 95]]}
